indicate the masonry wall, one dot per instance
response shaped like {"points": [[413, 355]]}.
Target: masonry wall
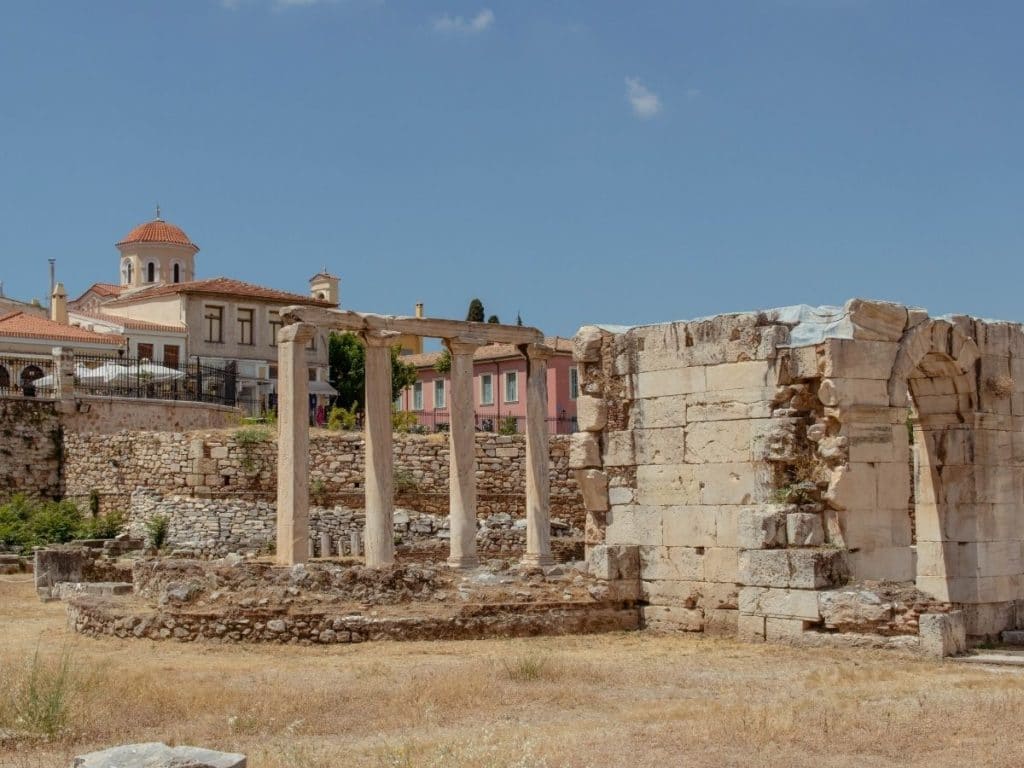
{"points": [[107, 415], [242, 464], [30, 448]]}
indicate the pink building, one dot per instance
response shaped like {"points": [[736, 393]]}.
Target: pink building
{"points": [[499, 387]]}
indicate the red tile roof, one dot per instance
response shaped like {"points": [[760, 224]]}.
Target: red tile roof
{"points": [[219, 286], [128, 322], [489, 352], [21, 325], [103, 290], [158, 231]]}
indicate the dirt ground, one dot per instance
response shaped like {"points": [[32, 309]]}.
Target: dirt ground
{"points": [[626, 699]]}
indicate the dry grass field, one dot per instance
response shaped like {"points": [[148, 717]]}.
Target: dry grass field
{"points": [[627, 699]]}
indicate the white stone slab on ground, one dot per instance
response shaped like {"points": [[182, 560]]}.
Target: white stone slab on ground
{"points": [[157, 755]]}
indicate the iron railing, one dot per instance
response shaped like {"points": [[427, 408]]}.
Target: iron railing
{"points": [[136, 377], [440, 421], [18, 375]]}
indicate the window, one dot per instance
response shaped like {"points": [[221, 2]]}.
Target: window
{"points": [[439, 401], [245, 325], [215, 324], [486, 389], [126, 271], [312, 374], [272, 372], [177, 273], [312, 343], [417, 396], [512, 386], [574, 383], [145, 351], [151, 272], [171, 352], [275, 326], [5, 378], [31, 374]]}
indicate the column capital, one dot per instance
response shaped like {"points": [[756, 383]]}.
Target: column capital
{"points": [[298, 332], [464, 345], [380, 338], [537, 351]]}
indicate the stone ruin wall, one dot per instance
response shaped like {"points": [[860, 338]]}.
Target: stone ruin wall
{"points": [[242, 465], [737, 482], [217, 527], [30, 448]]}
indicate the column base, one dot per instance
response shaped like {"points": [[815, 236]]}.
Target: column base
{"points": [[538, 561], [465, 562]]}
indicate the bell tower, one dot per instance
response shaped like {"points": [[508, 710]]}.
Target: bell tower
{"points": [[326, 287]]}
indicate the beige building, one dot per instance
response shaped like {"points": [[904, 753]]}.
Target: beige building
{"points": [[169, 316]]}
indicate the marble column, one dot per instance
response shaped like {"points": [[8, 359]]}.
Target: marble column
{"points": [[293, 444], [378, 538], [538, 488], [462, 454]]}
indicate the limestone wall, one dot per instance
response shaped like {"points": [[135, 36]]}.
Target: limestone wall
{"points": [[107, 415], [738, 470], [242, 464], [30, 448], [216, 527]]}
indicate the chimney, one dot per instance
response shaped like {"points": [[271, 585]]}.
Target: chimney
{"points": [[419, 309], [59, 305]]}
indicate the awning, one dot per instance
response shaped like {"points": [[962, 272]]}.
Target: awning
{"points": [[321, 388]]}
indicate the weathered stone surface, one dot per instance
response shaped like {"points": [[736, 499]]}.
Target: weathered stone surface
{"points": [[854, 610], [762, 527], [586, 344], [804, 529], [158, 755], [671, 618], [943, 634], [877, 319], [593, 484], [584, 451], [780, 603], [615, 562], [591, 413], [793, 568]]}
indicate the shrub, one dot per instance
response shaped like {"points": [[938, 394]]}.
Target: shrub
{"points": [[343, 418], [158, 527], [247, 439], [94, 502], [37, 695], [104, 527], [527, 668], [404, 421], [508, 425]]}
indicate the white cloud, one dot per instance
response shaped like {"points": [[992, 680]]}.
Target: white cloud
{"points": [[462, 26], [643, 100]]}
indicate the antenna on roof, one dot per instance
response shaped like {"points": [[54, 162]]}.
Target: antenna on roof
{"points": [[158, 210]]}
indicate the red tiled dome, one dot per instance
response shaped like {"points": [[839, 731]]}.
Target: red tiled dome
{"points": [[158, 231]]}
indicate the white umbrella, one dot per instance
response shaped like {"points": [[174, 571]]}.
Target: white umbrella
{"points": [[157, 374], [83, 375]]}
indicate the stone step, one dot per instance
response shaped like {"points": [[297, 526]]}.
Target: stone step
{"points": [[68, 589]]}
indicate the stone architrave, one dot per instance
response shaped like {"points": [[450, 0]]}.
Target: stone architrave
{"points": [[293, 444], [379, 540], [462, 453], [538, 490]]}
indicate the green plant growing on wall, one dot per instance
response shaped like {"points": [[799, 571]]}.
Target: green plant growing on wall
{"points": [[508, 425], [157, 529], [405, 480], [94, 503], [247, 439], [343, 418], [318, 492]]}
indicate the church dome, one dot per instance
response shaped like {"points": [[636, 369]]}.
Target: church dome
{"points": [[158, 231]]}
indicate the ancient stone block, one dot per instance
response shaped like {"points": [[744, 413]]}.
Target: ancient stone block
{"points": [[690, 526], [877, 319], [591, 413], [942, 634], [668, 484], [842, 392], [853, 610], [660, 446], [614, 562], [659, 412], [782, 630], [593, 485], [618, 449], [793, 568], [718, 442], [780, 603], [762, 527], [721, 622], [586, 344], [158, 755], [745, 375], [678, 381], [750, 628], [634, 524], [764, 567], [584, 451], [733, 483], [859, 359], [671, 564], [721, 564], [804, 529]]}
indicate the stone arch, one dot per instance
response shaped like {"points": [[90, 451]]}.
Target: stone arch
{"points": [[935, 375], [5, 378]]}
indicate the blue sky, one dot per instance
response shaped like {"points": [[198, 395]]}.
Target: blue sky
{"points": [[576, 161]]}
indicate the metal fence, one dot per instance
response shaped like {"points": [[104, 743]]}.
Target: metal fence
{"points": [[18, 375], [156, 379]]}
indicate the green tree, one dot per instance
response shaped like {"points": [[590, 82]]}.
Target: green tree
{"points": [[444, 362], [493, 319], [476, 311], [519, 319], [347, 359]]}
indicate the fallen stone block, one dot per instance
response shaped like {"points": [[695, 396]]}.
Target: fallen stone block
{"points": [[942, 634], [158, 755]]}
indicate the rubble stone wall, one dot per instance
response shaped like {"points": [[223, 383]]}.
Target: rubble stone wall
{"points": [[30, 448], [216, 527], [242, 464], [738, 470]]}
